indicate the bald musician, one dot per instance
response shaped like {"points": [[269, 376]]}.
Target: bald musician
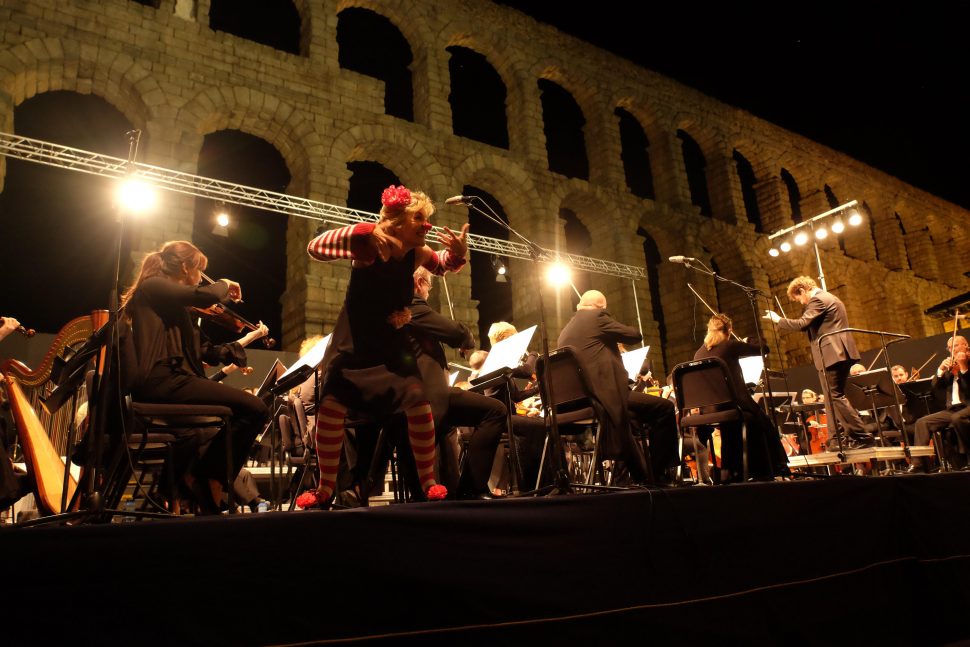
{"points": [[593, 334]]}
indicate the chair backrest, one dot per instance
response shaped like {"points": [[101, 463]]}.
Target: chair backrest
{"points": [[570, 383], [286, 432], [301, 435], [704, 383]]}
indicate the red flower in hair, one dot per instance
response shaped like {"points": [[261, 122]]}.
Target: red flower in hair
{"points": [[396, 197]]}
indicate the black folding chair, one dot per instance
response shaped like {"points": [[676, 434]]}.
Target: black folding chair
{"points": [[706, 385], [575, 403]]}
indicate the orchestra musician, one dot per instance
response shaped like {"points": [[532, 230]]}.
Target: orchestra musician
{"points": [[369, 362], [454, 407], [899, 374], [766, 453], [169, 350], [593, 334], [825, 313], [951, 386]]}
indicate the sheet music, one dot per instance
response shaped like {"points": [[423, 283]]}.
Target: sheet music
{"points": [[452, 377], [312, 358], [633, 360], [507, 352], [751, 368]]}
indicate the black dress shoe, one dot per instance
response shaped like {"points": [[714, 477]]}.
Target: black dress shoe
{"points": [[863, 442]]}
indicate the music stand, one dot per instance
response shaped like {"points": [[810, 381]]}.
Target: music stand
{"points": [[302, 369], [920, 391], [873, 390], [275, 373]]}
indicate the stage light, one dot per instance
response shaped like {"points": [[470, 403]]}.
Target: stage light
{"points": [[222, 219], [773, 252], [801, 238], [501, 272], [855, 218], [785, 246], [558, 274], [821, 233], [136, 195], [838, 226]]}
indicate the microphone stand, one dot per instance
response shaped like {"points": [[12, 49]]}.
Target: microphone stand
{"points": [[561, 476], [752, 294]]}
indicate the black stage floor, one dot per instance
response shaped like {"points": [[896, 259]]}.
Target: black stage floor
{"points": [[842, 560]]}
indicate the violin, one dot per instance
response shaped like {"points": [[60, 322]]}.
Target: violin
{"points": [[818, 429], [225, 317], [26, 332]]}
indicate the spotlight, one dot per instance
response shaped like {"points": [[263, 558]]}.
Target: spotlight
{"points": [[501, 272], [801, 238], [558, 274], [773, 252], [855, 218], [838, 226], [136, 195], [785, 247], [222, 219], [821, 233]]}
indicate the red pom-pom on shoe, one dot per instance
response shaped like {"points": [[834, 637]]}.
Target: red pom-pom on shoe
{"points": [[437, 493], [307, 500], [395, 198]]}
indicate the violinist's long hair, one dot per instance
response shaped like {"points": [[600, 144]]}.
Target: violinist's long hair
{"points": [[718, 330], [175, 257]]}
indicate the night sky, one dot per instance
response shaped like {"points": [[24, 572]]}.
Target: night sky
{"points": [[885, 88]]}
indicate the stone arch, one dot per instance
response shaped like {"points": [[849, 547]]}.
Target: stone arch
{"points": [[402, 15], [261, 115], [507, 181], [515, 74], [45, 64], [407, 158]]}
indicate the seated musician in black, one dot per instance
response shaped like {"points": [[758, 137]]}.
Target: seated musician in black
{"points": [[169, 351], [594, 334], [951, 388], [766, 455], [529, 431], [451, 406]]}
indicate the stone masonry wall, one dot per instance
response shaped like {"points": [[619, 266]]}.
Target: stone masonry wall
{"points": [[178, 80]]}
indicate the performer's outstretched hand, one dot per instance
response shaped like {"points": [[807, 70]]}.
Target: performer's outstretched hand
{"points": [[772, 316], [455, 243]]}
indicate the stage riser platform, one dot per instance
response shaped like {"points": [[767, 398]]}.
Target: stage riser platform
{"points": [[839, 560]]}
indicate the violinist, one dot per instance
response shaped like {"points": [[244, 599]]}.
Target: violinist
{"points": [[593, 335], [767, 456], [899, 374], [169, 349], [951, 385]]}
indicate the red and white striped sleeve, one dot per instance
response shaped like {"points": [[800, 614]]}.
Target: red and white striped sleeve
{"points": [[443, 261], [345, 242]]}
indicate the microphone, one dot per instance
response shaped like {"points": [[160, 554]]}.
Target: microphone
{"points": [[681, 259], [459, 199]]}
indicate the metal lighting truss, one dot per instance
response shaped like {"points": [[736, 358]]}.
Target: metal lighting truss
{"points": [[73, 159]]}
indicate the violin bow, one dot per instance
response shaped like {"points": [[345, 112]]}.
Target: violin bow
{"points": [[713, 312]]}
